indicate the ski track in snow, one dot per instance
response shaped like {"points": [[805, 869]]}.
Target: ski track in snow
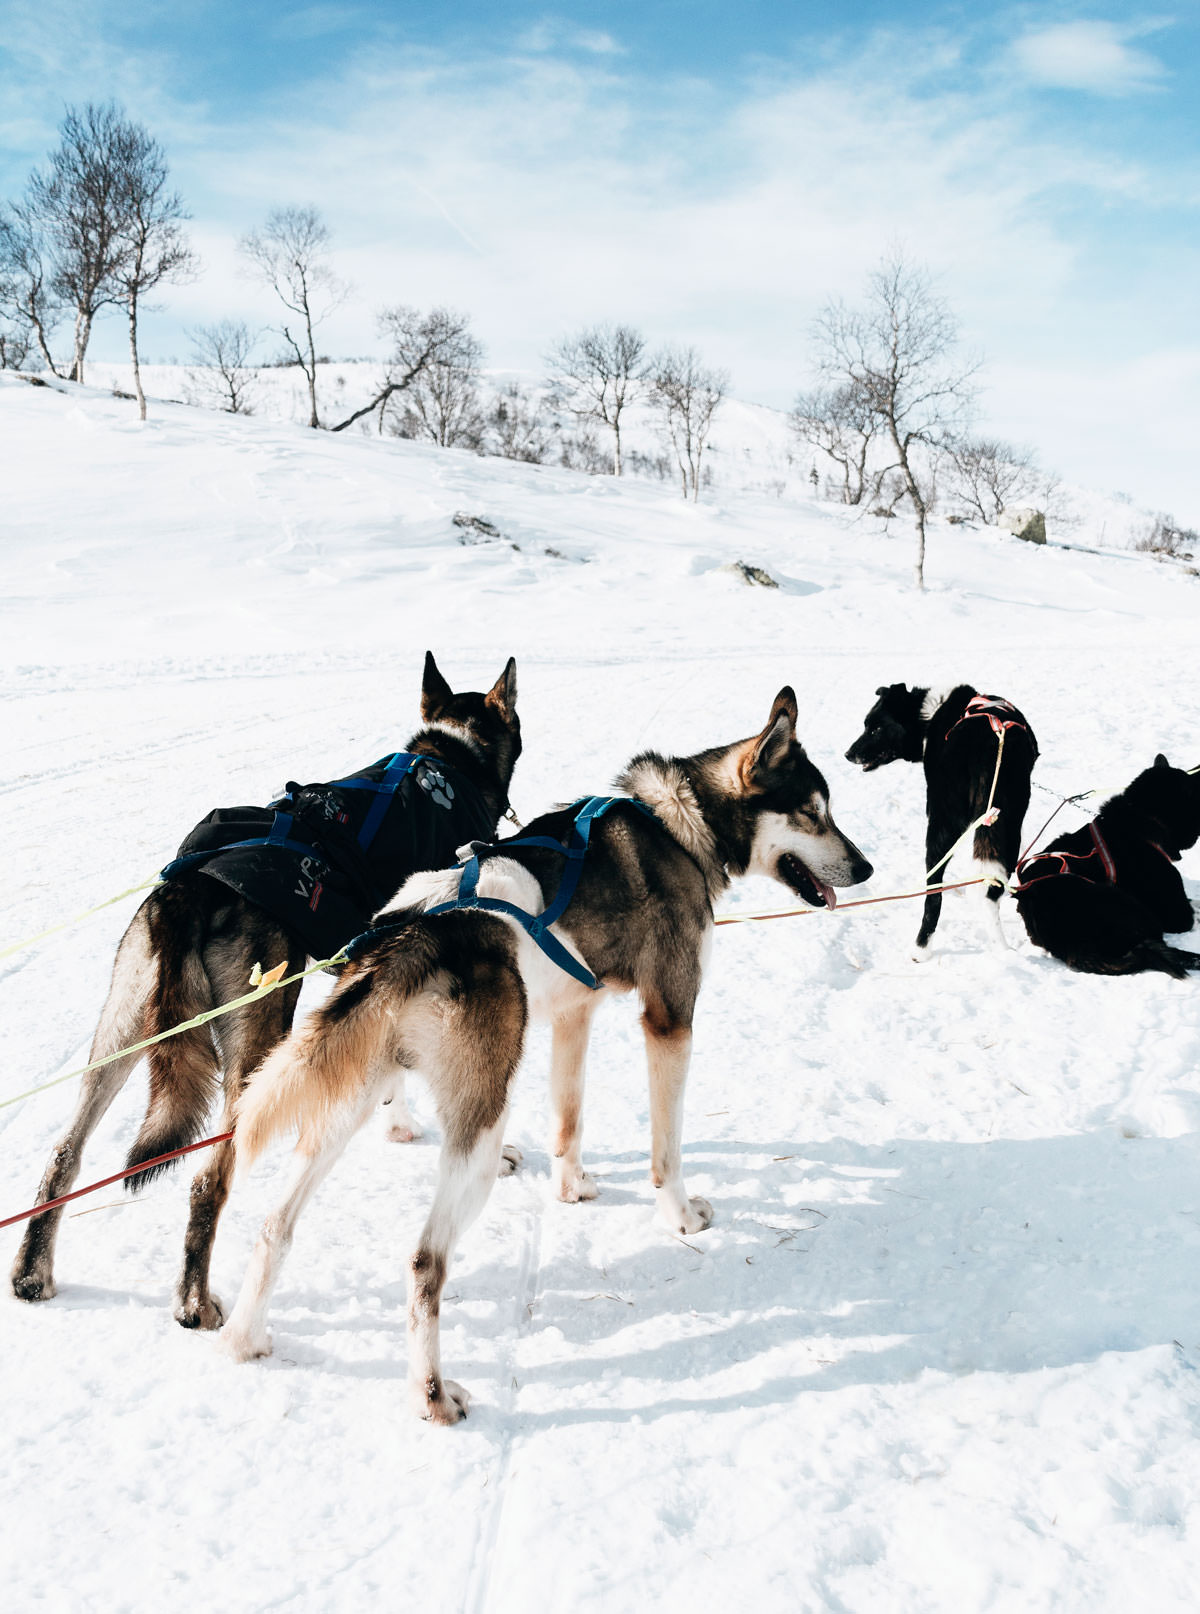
{"points": [[940, 1349]]}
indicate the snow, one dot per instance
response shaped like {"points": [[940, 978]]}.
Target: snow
{"points": [[940, 1348]]}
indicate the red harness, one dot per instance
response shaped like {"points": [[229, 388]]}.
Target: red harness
{"points": [[1001, 714], [1062, 862]]}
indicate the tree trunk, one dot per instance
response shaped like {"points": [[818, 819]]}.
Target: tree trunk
{"points": [[133, 353], [312, 368], [918, 503], [83, 331], [616, 447], [43, 348]]}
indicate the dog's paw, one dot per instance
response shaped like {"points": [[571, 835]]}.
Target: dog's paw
{"points": [[510, 1160], [403, 1131], [33, 1286], [572, 1183], [442, 1402], [200, 1311], [244, 1344], [693, 1216]]}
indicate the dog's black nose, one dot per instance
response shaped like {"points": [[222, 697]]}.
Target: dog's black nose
{"points": [[862, 871]]}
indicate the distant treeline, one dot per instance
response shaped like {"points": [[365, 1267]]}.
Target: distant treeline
{"points": [[887, 427]]}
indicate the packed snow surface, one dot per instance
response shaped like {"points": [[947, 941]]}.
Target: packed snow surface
{"points": [[940, 1349]]}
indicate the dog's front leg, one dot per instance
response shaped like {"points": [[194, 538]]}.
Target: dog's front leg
{"points": [[569, 1051], [668, 1054], [465, 1178]]}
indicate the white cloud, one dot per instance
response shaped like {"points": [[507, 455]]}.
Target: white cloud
{"points": [[555, 33], [1087, 55]]}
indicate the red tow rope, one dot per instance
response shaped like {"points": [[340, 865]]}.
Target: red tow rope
{"points": [[118, 1176]]}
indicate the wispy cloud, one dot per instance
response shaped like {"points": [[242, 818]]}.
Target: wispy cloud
{"points": [[1088, 55], [556, 33]]}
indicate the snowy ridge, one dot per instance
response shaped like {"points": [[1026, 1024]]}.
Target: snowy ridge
{"points": [[939, 1350]]}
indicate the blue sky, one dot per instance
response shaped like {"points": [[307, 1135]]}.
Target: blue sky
{"points": [[709, 172]]}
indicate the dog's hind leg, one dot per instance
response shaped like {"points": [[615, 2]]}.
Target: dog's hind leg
{"points": [[121, 1022], [569, 1051], [668, 1054], [245, 1335], [465, 1178], [995, 850], [938, 840], [245, 1037]]}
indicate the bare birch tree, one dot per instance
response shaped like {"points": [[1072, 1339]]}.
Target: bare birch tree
{"points": [[898, 349], [154, 249], [79, 203], [27, 292], [417, 341], [223, 374], [988, 476], [290, 253], [598, 373], [841, 422], [15, 348], [441, 402], [685, 396], [517, 428]]}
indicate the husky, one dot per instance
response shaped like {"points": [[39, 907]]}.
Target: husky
{"points": [[449, 994], [956, 734], [1102, 897], [195, 940]]}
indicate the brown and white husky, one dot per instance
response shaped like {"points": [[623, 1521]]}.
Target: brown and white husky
{"points": [[449, 995]]}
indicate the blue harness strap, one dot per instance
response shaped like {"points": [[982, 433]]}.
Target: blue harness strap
{"points": [[399, 765], [537, 926]]}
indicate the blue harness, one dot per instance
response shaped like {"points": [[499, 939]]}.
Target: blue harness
{"points": [[280, 833], [537, 926]]}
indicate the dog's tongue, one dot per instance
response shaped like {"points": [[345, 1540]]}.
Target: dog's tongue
{"points": [[826, 891]]}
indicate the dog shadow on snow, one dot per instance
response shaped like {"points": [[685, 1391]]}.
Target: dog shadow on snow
{"points": [[831, 1265], [1003, 1256]]}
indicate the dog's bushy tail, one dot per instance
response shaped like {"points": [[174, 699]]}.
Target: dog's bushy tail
{"points": [[1156, 955], [184, 1070], [328, 1062]]}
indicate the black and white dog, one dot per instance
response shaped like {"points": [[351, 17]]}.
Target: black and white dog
{"points": [[1102, 897], [230, 902], [957, 735]]}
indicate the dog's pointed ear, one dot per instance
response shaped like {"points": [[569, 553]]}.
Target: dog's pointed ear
{"points": [[773, 743], [435, 691], [884, 689], [503, 693], [1161, 762]]}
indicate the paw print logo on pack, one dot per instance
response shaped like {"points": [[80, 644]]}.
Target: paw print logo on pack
{"points": [[436, 785]]}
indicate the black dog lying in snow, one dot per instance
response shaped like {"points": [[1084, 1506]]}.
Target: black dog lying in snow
{"points": [[1101, 898], [956, 733]]}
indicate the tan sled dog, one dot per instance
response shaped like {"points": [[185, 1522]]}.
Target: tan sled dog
{"points": [[449, 995]]}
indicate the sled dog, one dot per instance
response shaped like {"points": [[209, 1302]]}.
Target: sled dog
{"points": [[1102, 897], [449, 995], [194, 941], [956, 734]]}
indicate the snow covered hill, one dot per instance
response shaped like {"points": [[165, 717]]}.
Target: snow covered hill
{"points": [[752, 448], [940, 1349]]}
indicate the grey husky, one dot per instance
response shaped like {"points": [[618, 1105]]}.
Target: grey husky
{"points": [[450, 994], [193, 944]]}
